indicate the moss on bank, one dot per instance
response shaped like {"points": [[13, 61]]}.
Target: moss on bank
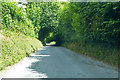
{"points": [[15, 46]]}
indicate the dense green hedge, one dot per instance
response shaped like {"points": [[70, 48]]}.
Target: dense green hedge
{"points": [[96, 22], [44, 17], [15, 46], [90, 28], [17, 36], [14, 18]]}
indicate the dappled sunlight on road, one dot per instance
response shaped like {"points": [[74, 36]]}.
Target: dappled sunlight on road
{"points": [[39, 55], [21, 70], [59, 62]]}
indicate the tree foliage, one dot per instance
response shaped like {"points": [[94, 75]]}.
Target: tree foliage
{"points": [[67, 22], [14, 18], [96, 22], [44, 17]]}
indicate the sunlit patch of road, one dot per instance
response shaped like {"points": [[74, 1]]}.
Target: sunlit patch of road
{"points": [[59, 62]]}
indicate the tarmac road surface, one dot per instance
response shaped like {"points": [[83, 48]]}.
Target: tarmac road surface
{"points": [[59, 62]]}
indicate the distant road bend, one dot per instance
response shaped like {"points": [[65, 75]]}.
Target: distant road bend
{"points": [[59, 62]]}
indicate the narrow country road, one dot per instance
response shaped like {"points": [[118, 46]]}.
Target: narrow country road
{"points": [[59, 62]]}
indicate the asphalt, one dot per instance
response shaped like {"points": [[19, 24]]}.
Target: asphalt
{"points": [[59, 62]]}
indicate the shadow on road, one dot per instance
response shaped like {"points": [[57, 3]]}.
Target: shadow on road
{"points": [[58, 62], [42, 65]]}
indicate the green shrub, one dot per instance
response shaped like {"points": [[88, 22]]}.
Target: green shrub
{"points": [[15, 46], [14, 18]]}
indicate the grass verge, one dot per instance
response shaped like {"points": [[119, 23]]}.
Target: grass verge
{"points": [[15, 46], [103, 53]]}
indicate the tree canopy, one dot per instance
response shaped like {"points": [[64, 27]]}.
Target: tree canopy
{"points": [[65, 21]]}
